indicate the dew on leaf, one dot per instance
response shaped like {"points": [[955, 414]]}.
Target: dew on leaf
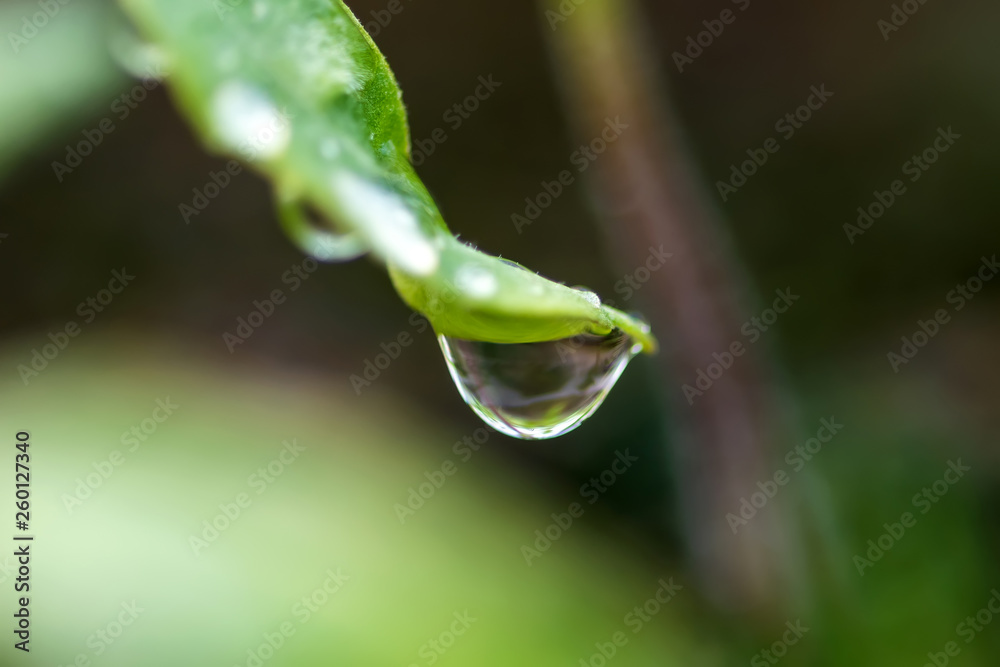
{"points": [[388, 223], [141, 59], [512, 263], [324, 66], [475, 281], [317, 239], [247, 121]]}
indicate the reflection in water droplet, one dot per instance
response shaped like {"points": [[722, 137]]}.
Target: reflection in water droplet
{"points": [[537, 390], [317, 239]]}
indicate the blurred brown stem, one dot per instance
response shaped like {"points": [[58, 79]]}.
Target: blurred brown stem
{"points": [[650, 198]]}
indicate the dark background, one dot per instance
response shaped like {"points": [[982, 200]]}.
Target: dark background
{"points": [[940, 70]]}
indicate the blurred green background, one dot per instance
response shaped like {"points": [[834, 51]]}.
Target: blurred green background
{"points": [[335, 507]]}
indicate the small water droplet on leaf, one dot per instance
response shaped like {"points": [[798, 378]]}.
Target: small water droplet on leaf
{"points": [[540, 390], [141, 59], [391, 226], [476, 282], [248, 122], [315, 238], [514, 264]]}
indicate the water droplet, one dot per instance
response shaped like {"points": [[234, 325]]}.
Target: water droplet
{"points": [[315, 238], [475, 281], [510, 262], [323, 66], [141, 59], [388, 223], [247, 121], [537, 390], [387, 149], [259, 9]]}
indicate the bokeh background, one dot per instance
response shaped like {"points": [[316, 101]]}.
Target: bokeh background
{"points": [[335, 506]]}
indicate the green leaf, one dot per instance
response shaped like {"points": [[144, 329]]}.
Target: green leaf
{"points": [[340, 504], [299, 90]]}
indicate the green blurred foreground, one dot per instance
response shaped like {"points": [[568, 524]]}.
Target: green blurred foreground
{"points": [[307, 554], [187, 514]]}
